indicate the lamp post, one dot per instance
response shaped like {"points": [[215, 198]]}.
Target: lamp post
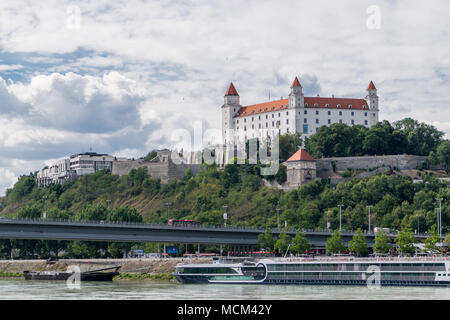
{"points": [[168, 204], [369, 217], [225, 215], [278, 217], [440, 217], [340, 216], [328, 224], [45, 207]]}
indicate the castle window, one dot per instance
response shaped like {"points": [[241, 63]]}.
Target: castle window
{"points": [[365, 122], [373, 114], [327, 105], [267, 116], [273, 123], [365, 114], [253, 119], [306, 104], [317, 112], [349, 106], [305, 112], [353, 121], [329, 121], [272, 108], [237, 121], [273, 116], [259, 117], [338, 105], [287, 121], [267, 125], [353, 113], [253, 126], [340, 113], [305, 120], [245, 128], [265, 109], [329, 113], [260, 125], [364, 106], [234, 110], [340, 120], [287, 113], [245, 120], [279, 114], [317, 120], [316, 105]]}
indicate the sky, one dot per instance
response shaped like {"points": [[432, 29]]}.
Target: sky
{"points": [[122, 76]]}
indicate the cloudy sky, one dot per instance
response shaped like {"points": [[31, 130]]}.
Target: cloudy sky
{"points": [[123, 75]]}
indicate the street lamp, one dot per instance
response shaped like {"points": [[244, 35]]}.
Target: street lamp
{"points": [[340, 216], [278, 217], [369, 216], [45, 207], [328, 224], [440, 217], [225, 216], [168, 204]]}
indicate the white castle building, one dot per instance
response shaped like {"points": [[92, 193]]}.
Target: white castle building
{"points": [[295, 114]]}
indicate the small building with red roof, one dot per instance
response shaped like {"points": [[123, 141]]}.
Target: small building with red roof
{"points": [[301, 169]]}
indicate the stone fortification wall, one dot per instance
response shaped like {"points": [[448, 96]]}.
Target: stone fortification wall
{"points": [[400, 162], [166, 171]]}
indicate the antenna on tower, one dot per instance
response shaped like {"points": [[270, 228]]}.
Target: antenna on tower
{"points": [[90, 148], [269, 95]]}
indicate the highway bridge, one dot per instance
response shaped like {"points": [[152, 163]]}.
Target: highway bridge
{"points": [[141, 232]]}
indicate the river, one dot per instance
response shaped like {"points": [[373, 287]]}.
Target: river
{"points": [[29, 290]]}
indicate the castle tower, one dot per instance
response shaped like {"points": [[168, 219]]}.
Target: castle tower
{"points": [[296, 97], [229, 109], [371, 97]]}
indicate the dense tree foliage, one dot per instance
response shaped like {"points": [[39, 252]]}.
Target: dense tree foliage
{"points": [[404, 136], [300, 244]]}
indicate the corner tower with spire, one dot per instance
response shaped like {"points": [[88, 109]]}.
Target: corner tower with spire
{"points": [[229, 109]]}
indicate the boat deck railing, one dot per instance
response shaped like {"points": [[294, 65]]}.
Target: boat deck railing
{"points": [[361, 259]]}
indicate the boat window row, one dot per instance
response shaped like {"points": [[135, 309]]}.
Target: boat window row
{"points": [[207, 270]]}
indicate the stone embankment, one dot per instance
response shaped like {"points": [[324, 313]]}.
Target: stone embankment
{"points": [[153, 266]]}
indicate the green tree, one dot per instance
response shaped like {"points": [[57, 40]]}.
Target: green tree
{"points": [[335, 244], [282, 243], [405, 241], [300, 244], [443, 154], [266, 241], [432, 239], [359, 243], [382, 243]]}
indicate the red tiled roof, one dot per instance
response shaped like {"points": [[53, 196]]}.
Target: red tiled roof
{"points": [[296, 83], [371, 86], [231, 91], [310, 102], [301, 155]]}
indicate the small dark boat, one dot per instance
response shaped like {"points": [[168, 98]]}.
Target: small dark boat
{"points": [[94, 275]]}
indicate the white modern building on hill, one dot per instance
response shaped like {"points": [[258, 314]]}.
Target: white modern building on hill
{"points": [[295, 114], [77, 165]]}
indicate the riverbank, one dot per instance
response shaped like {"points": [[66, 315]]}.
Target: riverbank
{"points": [[131, 269]]}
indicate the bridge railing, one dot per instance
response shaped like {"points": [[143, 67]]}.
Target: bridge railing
{"points": [[217, 227]]}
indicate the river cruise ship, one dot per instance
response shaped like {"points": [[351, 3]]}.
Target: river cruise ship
{"points": [[429, 271]]}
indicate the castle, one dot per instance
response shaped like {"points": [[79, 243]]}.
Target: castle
{"points": [[295, 114]]}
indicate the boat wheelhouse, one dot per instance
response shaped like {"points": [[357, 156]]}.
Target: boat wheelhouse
{"points": [[344, 271]]}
